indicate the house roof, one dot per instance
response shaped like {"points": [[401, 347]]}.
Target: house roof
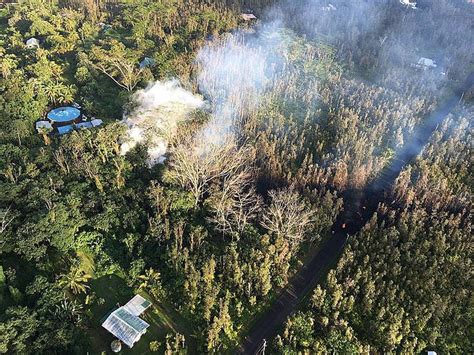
{"points": [[96, 122], [248, 17], [125, 326], [43, 124], [84, 125], [65, 129], [137, 305], [32, 42], [427, 62]]}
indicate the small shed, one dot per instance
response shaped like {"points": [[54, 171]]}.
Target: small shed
{"points": [[125, 326], [248, 17], [426, 63], [105, 27], [330, 7], [65, 129], [84, 125], [43, 125], [408, 3], [137, 305], [96, 122], [32, 43]]}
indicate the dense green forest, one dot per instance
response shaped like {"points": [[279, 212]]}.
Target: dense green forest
{"points": [[312, 102]]}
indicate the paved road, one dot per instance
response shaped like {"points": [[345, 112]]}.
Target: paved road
{"points": [[359, 206]]}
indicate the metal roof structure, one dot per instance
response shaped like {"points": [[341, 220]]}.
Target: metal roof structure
{"points": [[32, 43], [427, 62], [96, 122], [84, 125], [65, 129], [248, 17], [124, 323], [43, 125], [137, 305]]}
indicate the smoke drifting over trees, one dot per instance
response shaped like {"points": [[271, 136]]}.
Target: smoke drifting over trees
{"points": [[263, 129], [157, 110]]}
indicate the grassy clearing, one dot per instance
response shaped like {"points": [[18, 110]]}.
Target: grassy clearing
{"points": [[114, 291]]}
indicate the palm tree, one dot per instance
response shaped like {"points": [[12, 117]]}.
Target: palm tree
{"points": [[75, 280], [151, 281], [68, 311], [58, 92]]}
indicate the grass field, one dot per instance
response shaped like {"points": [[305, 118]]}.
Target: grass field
{"points": [[162, 318]]}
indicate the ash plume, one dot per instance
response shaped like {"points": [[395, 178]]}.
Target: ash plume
{"points": [[157, 111]]}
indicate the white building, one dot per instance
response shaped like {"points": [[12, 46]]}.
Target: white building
{"points": [[124, 322], [408, 3], [32, 43], [248, 17], [43, 125], [426, 63]]}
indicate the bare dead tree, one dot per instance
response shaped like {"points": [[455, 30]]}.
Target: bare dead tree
{"points": [[6, 218], [235, 203], [195, 165], [287, 216]]}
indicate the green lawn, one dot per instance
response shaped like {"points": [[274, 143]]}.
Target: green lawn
{"points": [[161, 317]]}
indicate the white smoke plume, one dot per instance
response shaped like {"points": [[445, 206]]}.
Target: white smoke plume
{"points": [[234, 73], [158, 111]]}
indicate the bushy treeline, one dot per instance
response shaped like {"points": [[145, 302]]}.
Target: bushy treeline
{"points": [[404, 282]]}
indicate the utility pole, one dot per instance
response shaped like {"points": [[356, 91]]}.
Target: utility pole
{"points": [[261, 350]]}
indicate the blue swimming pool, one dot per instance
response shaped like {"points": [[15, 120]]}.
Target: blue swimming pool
{"points": [[64, 114]]}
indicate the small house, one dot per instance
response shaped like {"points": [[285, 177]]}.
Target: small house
{"points": [[426, 63], [65, 119], [248, 17], [43, 126], [96, 122], [408, 3], [124, 323], [32, 43]]}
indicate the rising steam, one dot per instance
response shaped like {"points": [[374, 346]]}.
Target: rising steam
{"points": [[159, 108], [234, 73]]}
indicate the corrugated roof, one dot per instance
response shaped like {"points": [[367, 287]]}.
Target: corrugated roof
{"points": [[96, 122], [65, 129], [137, 305], [43, 124], [125, 326], [84, 125]]}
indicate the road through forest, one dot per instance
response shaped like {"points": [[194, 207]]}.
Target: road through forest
{"points": [[359, 206]]}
